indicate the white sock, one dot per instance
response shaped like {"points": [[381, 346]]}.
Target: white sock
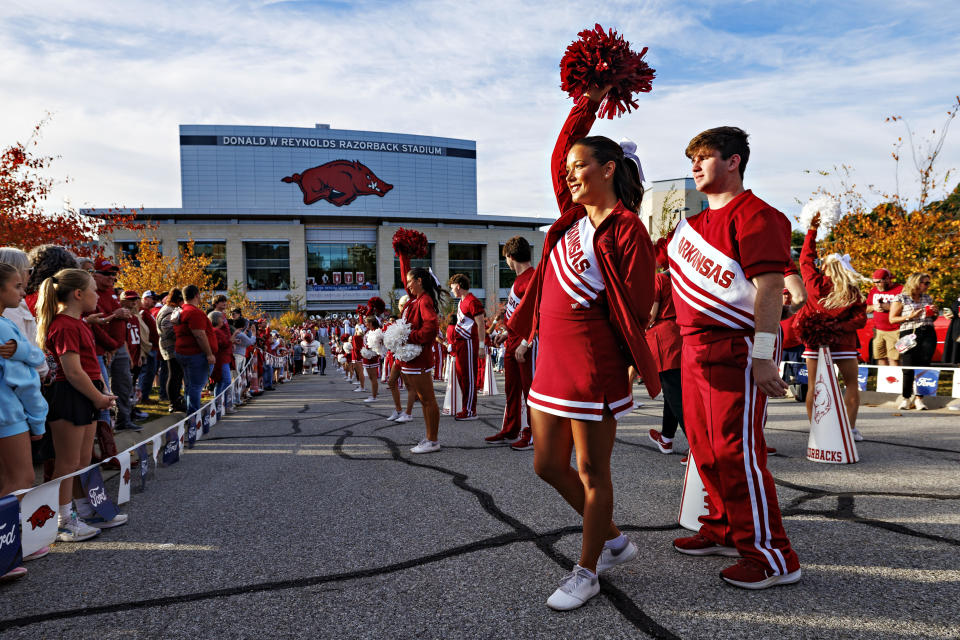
{"points": [[65, 510], [617, 543], [665, 438]]}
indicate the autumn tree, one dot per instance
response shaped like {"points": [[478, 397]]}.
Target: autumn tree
{"points": [[153, 270], [904, 235], [237, 298], [24, 189]]}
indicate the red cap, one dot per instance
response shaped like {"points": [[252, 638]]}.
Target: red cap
{"points": [[103, 264], [880, 274], [130, 294]]}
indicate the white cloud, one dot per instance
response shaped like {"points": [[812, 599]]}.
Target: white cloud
{"points": [[120, 77]]}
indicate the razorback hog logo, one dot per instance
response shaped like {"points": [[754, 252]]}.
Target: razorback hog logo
{"points": [[339, 182], [40, 517]]}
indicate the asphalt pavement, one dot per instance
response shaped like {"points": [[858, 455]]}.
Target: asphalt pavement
{"points": [[305, 516]]}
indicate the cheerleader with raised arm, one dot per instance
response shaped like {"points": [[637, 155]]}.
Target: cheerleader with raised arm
{"points": [[588, 303], [833, 291]]}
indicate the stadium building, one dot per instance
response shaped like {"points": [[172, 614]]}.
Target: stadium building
{"points": [[312, 212]]}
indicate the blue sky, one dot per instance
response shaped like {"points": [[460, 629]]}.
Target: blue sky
{"points": [[811, 81]]}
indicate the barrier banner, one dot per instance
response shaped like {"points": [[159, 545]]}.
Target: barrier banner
{"points": [[889, 379], [862, 378], [191, 431], [38, 516], [10, 556], [956, 384], [157, 442], [171, 448], [926, 382], [92, 483], [123, 493], [145, 466], [803, 376]]}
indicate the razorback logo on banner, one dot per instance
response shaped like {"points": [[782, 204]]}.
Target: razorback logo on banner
{"points": [[339, 182]]}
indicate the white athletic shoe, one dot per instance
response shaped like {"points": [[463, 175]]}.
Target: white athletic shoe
{"points": [[359, 390], [906, 403], [96, 521], [73, 529], [404, 417], [394, 416], [610, 558], [575, 590], [370, 399], [426, 446], [857, 436], [919, 405]]}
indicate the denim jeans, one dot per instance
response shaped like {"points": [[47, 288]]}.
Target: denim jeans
{"points": [[224, 384], [267, 376], [163, 373], [196, 373], [104, 413], [147, 373]]}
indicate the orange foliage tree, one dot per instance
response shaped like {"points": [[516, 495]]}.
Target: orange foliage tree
{"points": [[23, 190], [157, 272]]}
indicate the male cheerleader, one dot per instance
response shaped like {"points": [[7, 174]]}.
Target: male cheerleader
{"points": [[470, 325], [727, 264], [518, 357]]}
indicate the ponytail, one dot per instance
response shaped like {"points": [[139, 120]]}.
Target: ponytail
{"points": [[626, 176], [54, 291]]}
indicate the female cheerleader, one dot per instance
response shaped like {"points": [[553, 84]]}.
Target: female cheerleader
{"points": [[834, 290], [421, 313], [588, 302], [371, 364]]}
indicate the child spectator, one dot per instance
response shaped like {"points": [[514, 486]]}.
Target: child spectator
{"points": [[76, 396]]}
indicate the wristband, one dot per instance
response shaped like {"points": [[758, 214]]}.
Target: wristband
{"points": [[763, 345], [524, 343]]}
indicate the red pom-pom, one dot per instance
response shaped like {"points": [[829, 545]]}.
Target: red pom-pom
{"points": [[600, 58], [376, 305], [818, 329], [362, 311], [411, 243]]}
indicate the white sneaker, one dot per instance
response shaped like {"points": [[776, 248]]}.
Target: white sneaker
{"points": [[394, 416], [370, 399], [906, 403], [954, 407], [96, 521], [919, 405], [73, 529], [575, 590], [857, 436], [359, 390], [404, 417], [426, 446], [610, 558]]}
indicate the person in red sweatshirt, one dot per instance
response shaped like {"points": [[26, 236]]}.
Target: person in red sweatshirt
{"points": [[110, 338], [834, 290], [470, 326], [519, 356]]}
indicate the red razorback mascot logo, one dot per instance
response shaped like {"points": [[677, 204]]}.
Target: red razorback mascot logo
{"points": [[40, 517], [339, 182]]}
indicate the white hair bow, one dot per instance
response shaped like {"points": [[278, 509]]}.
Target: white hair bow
{"points": [[844, 260], [630, 151], [436, 280]]}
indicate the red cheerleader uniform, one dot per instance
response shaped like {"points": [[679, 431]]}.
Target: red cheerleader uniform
{"points": [[357, 343], [819, 286], [589, 301], [517, 376], [438, 358], [424, 323], [467, 355], [713, 256]]}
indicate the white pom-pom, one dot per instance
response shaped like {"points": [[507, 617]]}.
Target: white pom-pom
{"points": [[396, 336], [407, 352], [347, 347], [374, 341], [341, 359], [829, 209], [368, 354]]}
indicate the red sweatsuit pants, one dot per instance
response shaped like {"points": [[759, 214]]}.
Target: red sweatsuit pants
{"points": [[466, 363], [518, 376], [725, 414]]}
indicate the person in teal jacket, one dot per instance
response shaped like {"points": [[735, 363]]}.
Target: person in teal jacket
{"points": [[23, 409]]}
